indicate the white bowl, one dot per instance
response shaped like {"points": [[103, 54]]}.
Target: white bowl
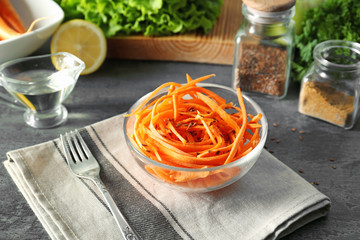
{"points": [[27, 43]]}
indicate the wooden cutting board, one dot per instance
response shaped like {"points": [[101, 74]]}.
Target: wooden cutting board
{"points": [[217, 47]]}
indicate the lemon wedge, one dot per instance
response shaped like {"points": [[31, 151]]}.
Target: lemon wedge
{"points": [[83, 39]]}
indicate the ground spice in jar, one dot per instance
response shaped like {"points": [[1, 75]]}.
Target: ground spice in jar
{"points": [[261, 69], [322, 101]]}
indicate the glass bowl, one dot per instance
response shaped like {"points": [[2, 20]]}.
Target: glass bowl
{"points": [[201, 179]]}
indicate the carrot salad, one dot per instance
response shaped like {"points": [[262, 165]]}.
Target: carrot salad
{"points": [[192, 127]]}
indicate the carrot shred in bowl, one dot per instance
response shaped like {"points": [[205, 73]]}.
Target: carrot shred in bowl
{"points": [[192, 127]]}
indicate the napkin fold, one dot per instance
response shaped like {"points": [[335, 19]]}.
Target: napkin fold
{"points": [[269, 202]]}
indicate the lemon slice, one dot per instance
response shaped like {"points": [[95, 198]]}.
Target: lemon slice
{"points": [[83, 39]]}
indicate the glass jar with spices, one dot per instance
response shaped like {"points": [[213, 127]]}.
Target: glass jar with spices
{"points": [[264, 47], [331, 87]]}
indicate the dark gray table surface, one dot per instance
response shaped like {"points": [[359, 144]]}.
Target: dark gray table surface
{"points": [[118, 83]]}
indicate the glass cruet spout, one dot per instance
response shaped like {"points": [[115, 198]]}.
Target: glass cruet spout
{"points": [[67, 62]]}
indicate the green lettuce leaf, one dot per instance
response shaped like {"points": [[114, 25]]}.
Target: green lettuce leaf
{"points": [[146, 17]]}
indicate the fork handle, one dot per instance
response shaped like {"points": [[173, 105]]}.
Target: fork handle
{"points": [[127, 232]]}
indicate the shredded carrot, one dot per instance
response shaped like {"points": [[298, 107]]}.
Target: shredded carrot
{"points": [[6, 32], [192, 127], [11, 17]]}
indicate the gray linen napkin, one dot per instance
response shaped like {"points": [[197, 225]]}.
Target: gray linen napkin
{"points": [[267, 203]]}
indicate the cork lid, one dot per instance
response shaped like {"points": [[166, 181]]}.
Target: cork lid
{"points": [[270, 5]]}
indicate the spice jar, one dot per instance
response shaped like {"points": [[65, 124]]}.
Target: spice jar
{"points": [[264, 47], [331, 87]]}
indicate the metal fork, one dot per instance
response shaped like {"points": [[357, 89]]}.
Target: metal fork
{"points": [[84, 165]]}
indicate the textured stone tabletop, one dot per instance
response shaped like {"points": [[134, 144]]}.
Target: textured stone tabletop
{"points": [[323, 154]]}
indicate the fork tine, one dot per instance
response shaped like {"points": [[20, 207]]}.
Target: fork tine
{"points": [[72, 149], [80, 149], [83, 144], [69, 158]]}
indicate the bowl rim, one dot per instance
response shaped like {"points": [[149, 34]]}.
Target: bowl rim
{"points": [[259, 146]]}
